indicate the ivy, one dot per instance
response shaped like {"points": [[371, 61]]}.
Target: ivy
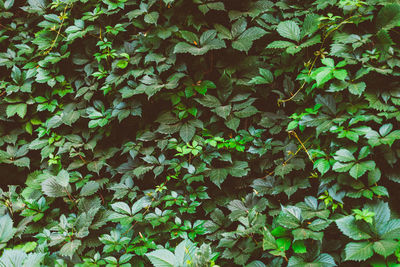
{"points": [[199, 133]]}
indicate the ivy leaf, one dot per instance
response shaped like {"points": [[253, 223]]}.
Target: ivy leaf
{"points": [[239, 169], [388, 17], [344, 155], [340, 74], [390, 230], [209, 101], [121, 207], [359, 251], [322, 165], [218, 176], [386, 247], [347, 225], [290, 217], [342, 167], [6, 230], [223, 111], [269, 241], [19, 109], [246, 39], [310, 25], [323, 75], [52, 188], [280, 44], [69, 248], [357, 88], [151, 17], [89, 188], [299, 247], [289, 29], [359, 169], [187, 132]]}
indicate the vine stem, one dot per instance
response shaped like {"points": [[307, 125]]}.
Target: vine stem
{"points": [[59, 30], [280, 101]]}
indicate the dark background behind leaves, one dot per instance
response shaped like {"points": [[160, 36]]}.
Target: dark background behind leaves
{"points": [[237, 133]]}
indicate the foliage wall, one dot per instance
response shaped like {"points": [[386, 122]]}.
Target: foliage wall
{"points": [[199, 133]]}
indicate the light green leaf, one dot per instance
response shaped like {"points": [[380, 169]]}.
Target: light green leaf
{"points": [[390, 230], [52, 188], [299, 247], [187, 132], [324, 74], [269, 241], [6, 229], [280, 44], [322, 165], [89, 188], [151, 17], [289, 29], [121, 207], [162, 258], [310, 25], [340, 74], [359, 251], [344, 155], [223, 111], [69, 248], [357, 88], [347, 225], [19, 109], [386, 247]]}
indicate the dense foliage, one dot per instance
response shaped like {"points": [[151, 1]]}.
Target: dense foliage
{"points": [[199, 133]]}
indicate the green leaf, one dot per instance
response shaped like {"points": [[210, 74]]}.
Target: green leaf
{"points": [[390, 230], [290, 217], [121, 207], [342, 167], [280, 44], [357, 88], [245, 40], [89, 188], [323, 75], [151, 17], [388, 17], [359, 169], [340, 74], [246, 112], [283, 243], [223, 111], [322, 165], [52, 188], [218, 176], [359, 251], [256, 264], [238, 169], [381, 210], [347, 225], [269, 241], [209, 101], [386, 247], [19, 109], [6, 229], [69, 248], [344, 155], [310, 25], [299, 247], [187, 132], [289, 29]]}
